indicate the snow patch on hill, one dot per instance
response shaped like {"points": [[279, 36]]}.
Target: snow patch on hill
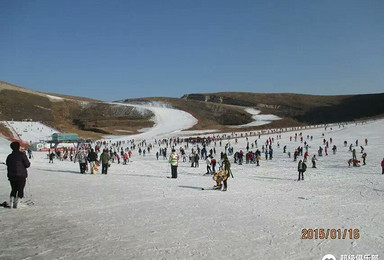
{"points": [[258, 119]]}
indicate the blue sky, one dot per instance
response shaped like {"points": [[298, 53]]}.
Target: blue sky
{"points": [[112, 50]]}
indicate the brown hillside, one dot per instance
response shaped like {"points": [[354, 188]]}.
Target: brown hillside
{"points": [[308, 109], [209, 115], [87, 117]]}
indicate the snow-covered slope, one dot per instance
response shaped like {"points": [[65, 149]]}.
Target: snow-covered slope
{"points": [[167, 121], [258, 119], [136, 212], [4, 148], [30, 131]]}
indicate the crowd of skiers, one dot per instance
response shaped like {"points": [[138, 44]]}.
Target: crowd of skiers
{"points": [[91, 155], [122, 151]]}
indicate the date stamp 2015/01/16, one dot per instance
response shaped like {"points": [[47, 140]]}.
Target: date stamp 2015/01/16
{"points": [[330, 233]]}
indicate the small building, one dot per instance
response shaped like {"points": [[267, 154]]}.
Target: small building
{"points": [[64, 137]]}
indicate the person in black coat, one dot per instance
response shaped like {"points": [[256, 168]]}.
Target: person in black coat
{"points": [[301, 168], [17, 164]]}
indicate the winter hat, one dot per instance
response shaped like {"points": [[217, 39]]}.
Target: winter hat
{"points": [[15, 146]]}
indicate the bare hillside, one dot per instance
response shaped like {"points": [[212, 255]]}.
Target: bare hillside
{"points": [[89, 118]]}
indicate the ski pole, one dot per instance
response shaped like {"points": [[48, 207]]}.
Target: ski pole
{"points": [[231, 173]]}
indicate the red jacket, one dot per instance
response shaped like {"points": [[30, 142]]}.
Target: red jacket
{"points": [[382, 163]]}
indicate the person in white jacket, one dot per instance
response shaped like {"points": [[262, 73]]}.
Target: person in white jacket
{"points": [[82, 159], [208, 161]]}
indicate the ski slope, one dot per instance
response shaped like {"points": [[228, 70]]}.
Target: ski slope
{"points": [[136, 212], [30, 131], [167, 121]]}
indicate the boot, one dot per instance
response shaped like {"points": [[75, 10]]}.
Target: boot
{"points": [[11, 199], [217, 187], [15, 202]]}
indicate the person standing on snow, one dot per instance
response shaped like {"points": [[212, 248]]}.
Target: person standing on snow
{"points": [[208, 161], [364, 156], [82, 159], [301, 167], [382, 166], [213, 163], [92, 158], [174, 161], [334, 148], [222, 176], [51, 156], [314, 159], [104, 158], [354, 154], [17, 164]]}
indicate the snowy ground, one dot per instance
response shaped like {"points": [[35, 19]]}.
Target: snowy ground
{"points": [[137, 212], [30, 131]]}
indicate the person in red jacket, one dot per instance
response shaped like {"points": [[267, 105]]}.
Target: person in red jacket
{"points": [[382, 166], [17, 164]]}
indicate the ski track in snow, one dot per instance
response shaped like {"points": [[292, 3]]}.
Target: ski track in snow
{"points": [[137, 212], [167, 121]]}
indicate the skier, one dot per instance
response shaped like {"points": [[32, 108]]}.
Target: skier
{"points": [[222, 176], [382, 166], [306, 156], [51, 156], [363, 157], [17, 164], [320, 151], [104, 158], [301, 167], [354, 154], [125, 158], [197, 158], [29, 153], [213, 163], [92, 158], [82, 159], [258, 156], [208, 161], [314, 159], [173, 160]]}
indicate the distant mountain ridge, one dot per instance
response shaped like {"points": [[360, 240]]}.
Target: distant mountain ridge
{"points": [[221, 111], [308, 109]]}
